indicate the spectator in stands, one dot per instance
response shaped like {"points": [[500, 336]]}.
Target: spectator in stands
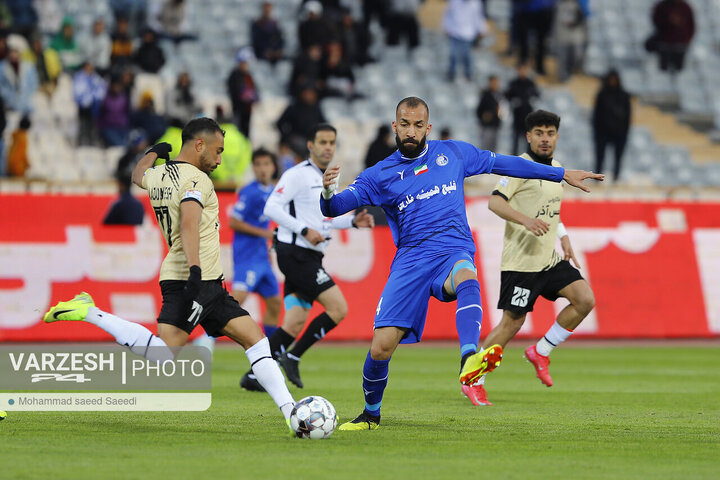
{"points": [[570, 32], [236, 157], [242, 90], [135, 11], [149, 56], [332, 9], [382, 147], [306, 70], [181, 105], [464, 23], [355, 40], [127, 77], [49, 16], [521, 93], [674, 29], [172, 21], [402, 23], [488, 114], [126, 210], [18, 80], [267, 37], [24, 17], [146, 119], [97, 47], [535, 20], [315, 29], [136, 146], [611, 121], [122, 45], [17, 158], [336, 74], [372, 9], [47, 64], [89, 92], [65, 45], [445, 133], [114, 117], [299, 118]]}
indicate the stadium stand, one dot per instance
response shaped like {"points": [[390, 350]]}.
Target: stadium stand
{"points": [[616, 39]]}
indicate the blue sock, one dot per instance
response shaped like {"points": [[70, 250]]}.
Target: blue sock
{"points": [[269, 330], [468, 315], [375, 379]]}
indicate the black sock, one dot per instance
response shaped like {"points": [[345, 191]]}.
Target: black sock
{"points": [[318, 328], [279, 341], [464, 359]]}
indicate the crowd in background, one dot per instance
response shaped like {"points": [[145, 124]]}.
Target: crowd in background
{"points": [[38, 45]]}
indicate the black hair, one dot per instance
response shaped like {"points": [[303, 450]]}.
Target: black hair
{"points": [[263, 152], [541, 118], [412, 102], [25, 123], [320, 127], [198, 126]]}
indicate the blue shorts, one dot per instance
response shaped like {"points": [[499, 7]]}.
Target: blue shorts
{"points": [[256, 276], [404, 301]]}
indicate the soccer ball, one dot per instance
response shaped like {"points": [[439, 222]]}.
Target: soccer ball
{"points": [[313, 417]]}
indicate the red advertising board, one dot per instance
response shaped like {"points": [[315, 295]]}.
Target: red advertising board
{"points": [[654, 268]]}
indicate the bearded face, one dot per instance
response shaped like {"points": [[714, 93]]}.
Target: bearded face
{"points": [[410, 147]]}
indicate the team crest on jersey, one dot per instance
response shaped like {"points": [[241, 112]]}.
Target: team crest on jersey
{"points": [[441, 160]]}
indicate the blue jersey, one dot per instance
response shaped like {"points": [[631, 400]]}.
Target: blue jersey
{"points": [[424, 202], [249, 208], [423, 198]]}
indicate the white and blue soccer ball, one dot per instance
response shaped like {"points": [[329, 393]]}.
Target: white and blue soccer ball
{"points": [[313, 417]]}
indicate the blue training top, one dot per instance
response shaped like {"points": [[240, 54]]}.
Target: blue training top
{"points": [[249, 208], [423, 197]]}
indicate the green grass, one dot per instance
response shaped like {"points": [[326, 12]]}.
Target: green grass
{"points": [[641, 412]]}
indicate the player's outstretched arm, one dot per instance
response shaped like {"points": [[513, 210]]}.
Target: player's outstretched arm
{"points": [[332, 204], [161, 150], [576, 177]]}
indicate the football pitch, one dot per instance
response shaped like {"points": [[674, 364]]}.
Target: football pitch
{"points": [[614, 412]]}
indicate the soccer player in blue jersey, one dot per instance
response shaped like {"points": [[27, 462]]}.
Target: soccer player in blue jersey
{"points": [[420, 188], [253, 272]]}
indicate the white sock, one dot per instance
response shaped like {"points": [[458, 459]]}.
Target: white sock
{"points": [[269, 375], [553, 337], [133, 335]]}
